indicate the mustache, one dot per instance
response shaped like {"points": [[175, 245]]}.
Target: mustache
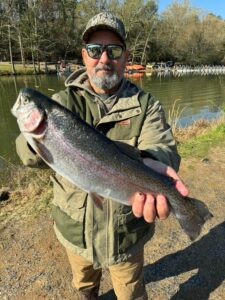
{"points": [[104, 68]]}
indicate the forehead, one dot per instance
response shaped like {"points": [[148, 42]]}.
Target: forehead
{"points": [[104, 37]]}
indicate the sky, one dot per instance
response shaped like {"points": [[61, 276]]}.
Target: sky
{"points": [[217, 7]]}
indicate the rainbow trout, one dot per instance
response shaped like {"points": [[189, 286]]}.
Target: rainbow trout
{"points": [[94, 163]]}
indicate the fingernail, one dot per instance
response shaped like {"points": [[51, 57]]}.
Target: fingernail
{"points": [[137, 215], [141, 197]]}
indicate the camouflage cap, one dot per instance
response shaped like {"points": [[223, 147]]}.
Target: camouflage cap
{"points": [[104, 21]]}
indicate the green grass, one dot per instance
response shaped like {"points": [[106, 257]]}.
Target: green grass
{"points": [[199, 146], [6, 69]]}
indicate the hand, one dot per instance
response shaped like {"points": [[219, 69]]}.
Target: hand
{"points": [[150, 206]]}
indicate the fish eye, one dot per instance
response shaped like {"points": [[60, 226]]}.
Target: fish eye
{"points": [[25, 100]]}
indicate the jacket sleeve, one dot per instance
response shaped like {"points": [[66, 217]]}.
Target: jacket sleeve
{"points": [[27, 155], [156, 138]]}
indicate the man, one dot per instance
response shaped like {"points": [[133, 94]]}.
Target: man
{"points": [[113, 236]]}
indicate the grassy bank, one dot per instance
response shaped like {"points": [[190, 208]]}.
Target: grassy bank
{"points": [[6, 69], [197, 139]]}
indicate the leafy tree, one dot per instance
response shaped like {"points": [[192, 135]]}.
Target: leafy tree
{"points": [[49, 30]]}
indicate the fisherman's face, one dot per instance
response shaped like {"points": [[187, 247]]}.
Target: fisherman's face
{"points": [[105, 73]]}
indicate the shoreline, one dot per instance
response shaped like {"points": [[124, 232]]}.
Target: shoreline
{"points": [[43, 69]]}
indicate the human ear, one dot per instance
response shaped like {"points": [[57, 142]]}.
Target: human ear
{"points": [[84, 55]]}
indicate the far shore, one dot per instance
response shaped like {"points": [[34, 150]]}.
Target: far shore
{"points": [[28, 68]]}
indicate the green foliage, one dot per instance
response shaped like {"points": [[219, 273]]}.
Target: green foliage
{"points": [[49, 30], [199, 146], [222, 107]]}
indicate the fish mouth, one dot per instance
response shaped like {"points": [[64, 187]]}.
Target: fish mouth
{"points": [[39, 131], [36, 125]]}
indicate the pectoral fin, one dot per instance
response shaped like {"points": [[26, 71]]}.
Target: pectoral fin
{"points": [[43, 152]]}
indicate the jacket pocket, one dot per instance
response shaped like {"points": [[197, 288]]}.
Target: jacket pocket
{"points": [[68, 210], [130, 230], [69, 198]]}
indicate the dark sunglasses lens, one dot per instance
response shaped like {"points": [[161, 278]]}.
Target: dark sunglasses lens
{"points": [[94, 51], [114, 52]]}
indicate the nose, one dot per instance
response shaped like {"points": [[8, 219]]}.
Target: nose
{"points": [[104, 57]]}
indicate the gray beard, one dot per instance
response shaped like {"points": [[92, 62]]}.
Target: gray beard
{"points": [[107, 82]]}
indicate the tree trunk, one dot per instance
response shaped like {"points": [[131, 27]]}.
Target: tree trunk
{"points": [[144, 50], [135, 44], [46, 68], [21, 49], [39, 64], [10, 51], [33, 62]]}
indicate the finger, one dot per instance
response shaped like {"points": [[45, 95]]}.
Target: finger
{"points": [[181, 187], [162, 207], [172, 173], [138, 204], [149, 211], [169, 171], [178, 182]]}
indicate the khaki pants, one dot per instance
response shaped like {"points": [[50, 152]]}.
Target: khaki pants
{"points": [[127, 277]]}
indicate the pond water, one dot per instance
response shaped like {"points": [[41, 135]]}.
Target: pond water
{"points": [[199, 97]]}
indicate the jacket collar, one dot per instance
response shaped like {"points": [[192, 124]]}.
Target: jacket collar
{"points": [[126, 105]]}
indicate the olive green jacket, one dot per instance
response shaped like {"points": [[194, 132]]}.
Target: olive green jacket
{"points": [[112, 234]]}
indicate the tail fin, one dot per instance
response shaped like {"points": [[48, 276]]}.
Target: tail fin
{"points": [[193, 223]]}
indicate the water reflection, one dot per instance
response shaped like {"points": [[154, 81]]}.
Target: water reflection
{"points": [[200, 97]]}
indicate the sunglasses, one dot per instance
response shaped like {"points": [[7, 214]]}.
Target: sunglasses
{"points": [[113, 51]]}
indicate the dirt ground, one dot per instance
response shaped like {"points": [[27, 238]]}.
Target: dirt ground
{"points": [[33, 264]]}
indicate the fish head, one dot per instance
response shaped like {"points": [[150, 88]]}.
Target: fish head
{"points": [[30, 113]]}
